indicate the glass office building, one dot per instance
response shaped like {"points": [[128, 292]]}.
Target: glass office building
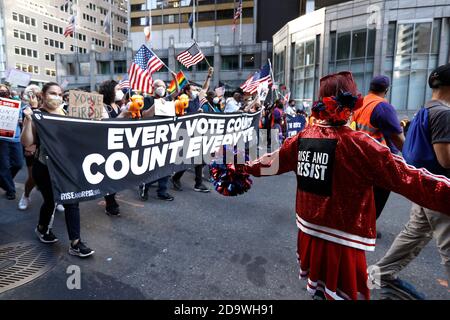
{"points": [[403, 39]]}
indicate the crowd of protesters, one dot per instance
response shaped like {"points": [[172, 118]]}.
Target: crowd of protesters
{"points": [[376, 118]]}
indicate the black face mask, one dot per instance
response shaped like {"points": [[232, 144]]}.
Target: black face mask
{"points": [[4, 94]]}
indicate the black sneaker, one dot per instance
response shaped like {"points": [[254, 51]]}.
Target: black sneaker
{"points": [[80, 250], [166, 197], [143, 192], [46, 237], [10, 195], [176, 184], [112, 211], [398, 289], [201, 188]]}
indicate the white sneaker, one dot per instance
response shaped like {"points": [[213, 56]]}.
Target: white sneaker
{"points": [[24, 202], [60, 208]]}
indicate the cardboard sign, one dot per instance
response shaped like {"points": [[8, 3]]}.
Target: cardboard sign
{"points": [[85, 105], [164, 108], [263, 91], [220, 92], [18, 78], [9, 117]]}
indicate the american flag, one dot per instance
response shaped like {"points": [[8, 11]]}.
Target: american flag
{"points": [[140, 73], [69, 30], [252, 83], [155, 63], [237, 14], [124, 84], [191, 56]]}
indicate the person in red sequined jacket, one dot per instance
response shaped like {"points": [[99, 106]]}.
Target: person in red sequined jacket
{"points": [[337, 169]]}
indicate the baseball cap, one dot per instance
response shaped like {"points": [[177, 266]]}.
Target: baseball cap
{"points": [[440, 77], [380, 83]]}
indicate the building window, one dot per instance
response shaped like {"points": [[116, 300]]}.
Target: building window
{"points": [[304, 71], [103, 67], [248, 61], [230, 62], [414, 57], [278, 66], [354, 51], [203, 66], [120, 66]]}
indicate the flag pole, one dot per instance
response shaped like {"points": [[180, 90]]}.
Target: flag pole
{"points": [[271, 74], [204, 56], [193, 22], [75, 37]]}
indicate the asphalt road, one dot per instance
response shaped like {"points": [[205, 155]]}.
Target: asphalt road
{"points": [[200, 246]]}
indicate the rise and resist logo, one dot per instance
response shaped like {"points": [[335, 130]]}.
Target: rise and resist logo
{"points": [[315, 165]]}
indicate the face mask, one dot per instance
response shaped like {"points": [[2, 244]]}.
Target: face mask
{"points": [[160, 91], [4, 94], [216, 100], [194, 94], [119, 96], [54, 101]]}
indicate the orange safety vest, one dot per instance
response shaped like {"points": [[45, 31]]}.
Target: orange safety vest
{"points": [[361, 118]]}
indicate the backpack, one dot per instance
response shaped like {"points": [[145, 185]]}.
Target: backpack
{"points": [[417, 149]]}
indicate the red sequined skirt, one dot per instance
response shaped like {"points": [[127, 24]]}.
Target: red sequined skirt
{"points": [[338, 271]]}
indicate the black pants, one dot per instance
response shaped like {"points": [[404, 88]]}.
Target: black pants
{"points": [[381, 197], [72, 211], [198, 175], [111, 201]]}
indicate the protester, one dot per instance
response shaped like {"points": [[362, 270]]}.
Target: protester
{"points": [[30, 98], [291, 109], [424, 224], [212, 104], [378, 119], [11, 154], [336, 170], [159, 92], [51, 104], [234, 103], [66, 101], [109, 89], [194, 106]]}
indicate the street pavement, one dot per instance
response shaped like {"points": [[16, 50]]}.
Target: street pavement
{"points": [[200, 246]]}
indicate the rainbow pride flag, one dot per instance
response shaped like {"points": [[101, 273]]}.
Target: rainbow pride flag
{"points": [[182, 81]]}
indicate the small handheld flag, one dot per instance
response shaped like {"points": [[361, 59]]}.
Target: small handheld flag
{"points": [[191, 56]]}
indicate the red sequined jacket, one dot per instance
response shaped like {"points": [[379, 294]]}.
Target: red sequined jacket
{"points": [[336, 170]]}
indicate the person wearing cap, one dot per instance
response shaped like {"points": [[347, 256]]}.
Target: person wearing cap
{"points": [[424, 224], [378, 119]]}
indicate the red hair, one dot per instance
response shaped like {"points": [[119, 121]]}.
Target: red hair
{"points": [[333, 84], [338, 96]]}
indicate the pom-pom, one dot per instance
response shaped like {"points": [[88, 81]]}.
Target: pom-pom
{"points": [[229, 177]]}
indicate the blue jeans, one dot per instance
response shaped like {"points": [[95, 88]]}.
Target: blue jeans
{"points": [[162, 186], [11, 161]]}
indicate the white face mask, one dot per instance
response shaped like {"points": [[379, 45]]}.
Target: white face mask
{"points": [[194, 94], [160, 91], [119, 96], [216, 100], [54, 101]]}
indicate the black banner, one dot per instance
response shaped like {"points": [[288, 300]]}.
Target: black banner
{"points": [[88, 159]]}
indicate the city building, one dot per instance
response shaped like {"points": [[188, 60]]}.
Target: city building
{"points": [[32, 34], [404, 39]]}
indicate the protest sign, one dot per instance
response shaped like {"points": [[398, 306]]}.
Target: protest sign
{"points": [[18, 78], [116, 154], [164, 108], [85, 105], [9, 117], [263, 90], [294, 124]]}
